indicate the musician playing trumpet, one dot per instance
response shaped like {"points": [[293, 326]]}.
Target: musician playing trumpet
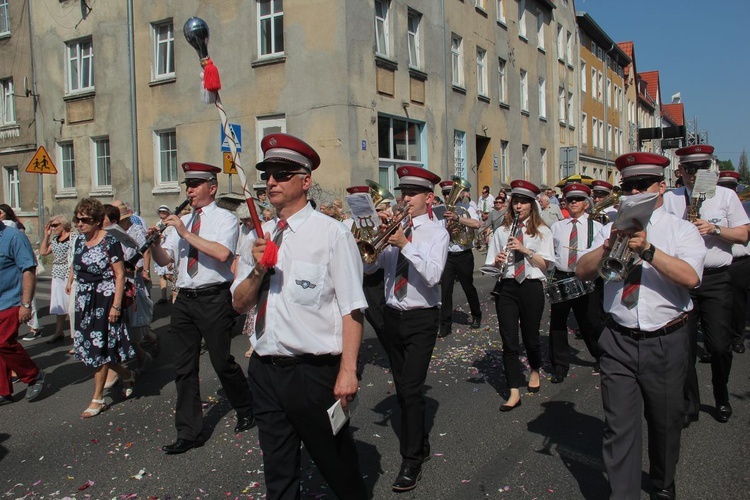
{"points": [[519, 295]]}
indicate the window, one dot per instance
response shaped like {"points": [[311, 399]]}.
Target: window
{"points": [[12, 186], [593, 83], [599, 86], [101, 162], [382, 41], [481, 71], [457, 60], [524, 91], [504, 161], [560, 43], [601, 135], [593, 48], [543, 164], [609, 137], [569, 48], [584, 129], [540, 30], [502, 82], [542, 98], [4, 19], [570, 117], [270, 27], [609, 92], [80, 66], [561, 109], [616, 146], [67, 178], [599, 53], [265, 126], [459, 153], [7, 106], [525, 161], [165, 160], [501, 11], [522, 19], [162, 35], [414, 43], [584, 76], [480, 4], [400, 141], [594, 128]]}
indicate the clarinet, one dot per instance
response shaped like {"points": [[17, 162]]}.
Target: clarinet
{"points": [[150, 241], [511, 234]]}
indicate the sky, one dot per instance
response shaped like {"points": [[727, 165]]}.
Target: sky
{"points": [[700, 50]]}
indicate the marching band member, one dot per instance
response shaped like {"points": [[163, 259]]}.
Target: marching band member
{"points": [[739, 271], [520, 295], [645, 342], [722, 222], [599, 191], [308, 328], [413, 265], [571, 237], [460, 264]]}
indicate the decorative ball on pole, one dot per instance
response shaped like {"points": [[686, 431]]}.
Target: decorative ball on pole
{"points": [[196, 34]]}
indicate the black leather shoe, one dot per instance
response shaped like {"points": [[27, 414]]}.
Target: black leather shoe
{"points": [[244, 423], [557, 379], [723, 412], [505, 408], [426, 455], [739, 348], [181, 446], [476, 322], [664, 494], [688, 419], [407, 478], [444, 332]]}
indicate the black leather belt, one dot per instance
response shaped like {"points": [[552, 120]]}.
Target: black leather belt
{"points": [[309, 359], [708, 271], [740, 259], [194, 293], [636, 334], [459, 253], [564, 273]]}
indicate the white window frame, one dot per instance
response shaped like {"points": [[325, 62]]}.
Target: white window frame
{"points": [[542, 98], [593, 84], [522, 19], [265, 125], [543, 164], [524, 84], [504, 161], [525, 161], [4, 18], [270, 21], [593, 48], [79, 55], [382, 28], [609, 138], [414, 22], [502, 82], [481, 4], [459, 153], [560, 43], [66, 178], [601, 135], [457, 61], [168, 153], [12, 186], [162, 57], [388, 164], [584, 128], [101, 156], [569, 116], [569, 47], [609, 93], [600, 86], [501, 11], [561, 109], [7, 102], [594, 132], [482, 72], [540, 30], [584, 76]]}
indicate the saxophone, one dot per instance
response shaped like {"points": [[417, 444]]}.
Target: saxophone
{"points": [[693, 210]]}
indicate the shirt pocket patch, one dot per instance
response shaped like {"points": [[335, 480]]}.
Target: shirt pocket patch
{"points": [[305, 284], [716, 217]]}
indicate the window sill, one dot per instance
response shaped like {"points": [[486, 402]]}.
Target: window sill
{"points": [[268, 61], [523, 38], [570, 67], [166, 189], [9, 131], [66, 194], [501, 23], [102, 192], [460, 90], [561, 60], [480, 10], [572, 127], [162, 81], [543, 119], [483, 98], [5, 35], [541, 49], [504, 105], [562, 123], [417, 74], [525, 112], [385, 63], [79, 96]]}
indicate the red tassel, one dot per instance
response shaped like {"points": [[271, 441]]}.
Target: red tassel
{"points": [[270, 255], [211, 80]]}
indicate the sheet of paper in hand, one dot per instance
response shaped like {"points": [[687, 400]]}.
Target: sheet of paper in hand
{"points": [[637, 207]]}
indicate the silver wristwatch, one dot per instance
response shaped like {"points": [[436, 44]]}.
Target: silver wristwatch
{"points": [[717, 230]]}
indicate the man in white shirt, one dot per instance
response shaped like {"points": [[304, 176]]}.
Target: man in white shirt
{"points": [[599, 191], [645, 342], [202, 248], [484, 203], [722, 222], [308, 327], [413, 265]]}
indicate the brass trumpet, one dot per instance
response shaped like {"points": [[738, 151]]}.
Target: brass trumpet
{"points": [[616, 265], [369, 250], [610, 200]]}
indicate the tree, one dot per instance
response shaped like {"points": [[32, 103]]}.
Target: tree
{"points": [[744, 168], [726, 165]]}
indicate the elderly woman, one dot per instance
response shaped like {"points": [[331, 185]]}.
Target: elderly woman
{"points": [[56, 241], [100, 339]]}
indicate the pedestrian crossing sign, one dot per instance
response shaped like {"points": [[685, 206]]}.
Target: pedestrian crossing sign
{"points": [[41, 163]]}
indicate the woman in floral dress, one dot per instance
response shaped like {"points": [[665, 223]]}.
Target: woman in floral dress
{"points": [[56, 241], [101, 339]]}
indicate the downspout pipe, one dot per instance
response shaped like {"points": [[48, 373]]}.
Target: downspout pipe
{"points": [[133, 112]]}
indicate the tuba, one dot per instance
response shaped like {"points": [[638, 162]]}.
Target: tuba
{"points": [[610, 200], [460, 234]]}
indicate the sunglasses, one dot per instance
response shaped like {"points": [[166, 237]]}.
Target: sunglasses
{"points": [[578, 199], [83, 220], [640, 184], [279, 175], [54, 225]]}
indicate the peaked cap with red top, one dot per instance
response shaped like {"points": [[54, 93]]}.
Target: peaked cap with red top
{"points": [[284, 149]]}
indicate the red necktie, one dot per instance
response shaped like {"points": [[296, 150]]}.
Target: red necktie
{"points": [[192, 265], [265, 285], [402, 270], [631, 287], [573, 246], [520, 263]]}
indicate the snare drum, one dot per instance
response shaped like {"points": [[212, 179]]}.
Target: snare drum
{"points": [[567, 289]]}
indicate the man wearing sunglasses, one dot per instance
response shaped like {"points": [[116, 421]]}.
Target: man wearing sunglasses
{"points": [[721, 222], [202, 248], [645, 341], [600, 190], [308, 327]]}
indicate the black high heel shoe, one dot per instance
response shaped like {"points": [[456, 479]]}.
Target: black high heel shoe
{"points": [[56, 338], [505, 408]]}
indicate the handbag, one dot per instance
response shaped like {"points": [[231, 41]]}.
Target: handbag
{"points": [[128, 296]]}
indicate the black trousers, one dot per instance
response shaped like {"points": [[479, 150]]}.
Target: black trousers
{"points": [[459, 265], [373, 286], [642, 377], [209, 318], [409, 339], [740, 273], [519, 303], [291, 404], [559, 348], [712, 307]]}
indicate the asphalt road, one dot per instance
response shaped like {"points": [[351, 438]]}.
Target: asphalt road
{"points": [[549, 448]]}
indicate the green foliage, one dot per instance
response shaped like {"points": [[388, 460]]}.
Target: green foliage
{"points": [[744, 169], [726, 165]]}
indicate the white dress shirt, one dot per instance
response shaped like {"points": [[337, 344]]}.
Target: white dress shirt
{"points": [[485, 203], [561, 237], [426, 253], [659, 299], [724, 209], [455, 247], [217, 225], [541, 244], [317, 281]]}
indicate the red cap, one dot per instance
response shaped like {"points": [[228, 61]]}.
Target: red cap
{"points": [[203, 171], [729, 177], [358, 189], [411, 175], [284, 149], [601, 186], [699, 152], [576, 189], [524, 188], [446, 186], [641, 165]]}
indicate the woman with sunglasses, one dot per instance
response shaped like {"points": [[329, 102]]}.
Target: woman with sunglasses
{"points": [[519, 293], [57, 242], [101, 339]]}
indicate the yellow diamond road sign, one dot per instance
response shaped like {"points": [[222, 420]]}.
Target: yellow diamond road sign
{"points": [[229, 167], [41, 163]]}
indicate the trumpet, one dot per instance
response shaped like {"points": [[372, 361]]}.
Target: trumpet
{"points": [[369, 249], [610, 200], [616, 265], [492, 270]]}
